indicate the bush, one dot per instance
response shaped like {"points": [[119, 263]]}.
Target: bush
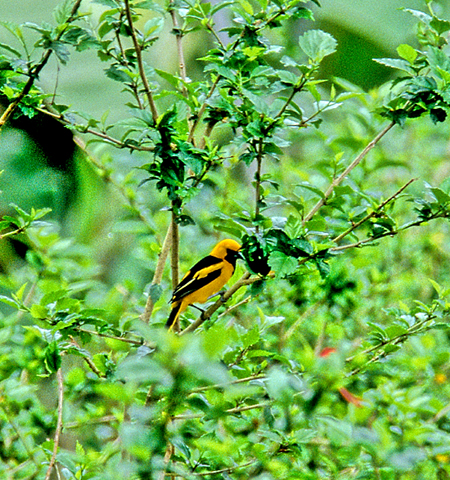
{"points": [[330, 357]]}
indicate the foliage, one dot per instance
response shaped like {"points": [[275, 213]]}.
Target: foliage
{"points": [[329, 360]]}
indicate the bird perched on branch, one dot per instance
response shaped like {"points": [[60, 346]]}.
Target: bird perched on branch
{"points": [[205, 278]]}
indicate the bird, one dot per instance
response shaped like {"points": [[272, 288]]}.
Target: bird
{"points": [[205, 279]]}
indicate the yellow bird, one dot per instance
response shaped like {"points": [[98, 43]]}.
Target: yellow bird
{"points": [[205, 278]]}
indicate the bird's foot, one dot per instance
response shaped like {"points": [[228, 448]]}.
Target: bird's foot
{"points": [[198, 308]]}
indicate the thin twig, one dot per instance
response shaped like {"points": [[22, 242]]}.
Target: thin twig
{"points": [[234, 382], [92, 421], [12, 233], [202, 110], [107, 138], [59, 423], [236, 305], [138, 343], [179, 38], [137, 48], [175, 245], [337, 181], [215, 34], [35, 71], [259, 159], [224, 470], [414, 329], [310, 311], [124, 61], [389, 233], [191, 416], [170, 449], [175, 259], [157, 276]]}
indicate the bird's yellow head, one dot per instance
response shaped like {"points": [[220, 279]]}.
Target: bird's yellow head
{"points": [[226, 247]]}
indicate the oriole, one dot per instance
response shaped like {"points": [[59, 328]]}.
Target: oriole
{"points": [[205, 278]]}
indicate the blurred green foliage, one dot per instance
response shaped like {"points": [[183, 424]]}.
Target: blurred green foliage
{"points": [[334, 361]]}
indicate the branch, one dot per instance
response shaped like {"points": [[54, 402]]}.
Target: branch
{"points": [[36, 70], [175, 244], [175, 258], [202, 111], [373, 213], [237, 305], [414, 329], [390, 233], [309, 311], [58, 424], [242, 282], [258, 181], [137, 48], [337, 181], [107, 138], [157, 276], [170, 449], [234, 382], [12, 233], [91, 421], [191, 416], [179, 37], [224, 470]]}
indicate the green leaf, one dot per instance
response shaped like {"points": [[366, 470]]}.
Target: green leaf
{"points": [[155, 292], [52, 357], [53, 296], [396, 63], [251, 337], [10, 49], [407, 52], [60, 50], [39, 311], [317, 44], [19, 294], [10, 302], [441, 26], [246, 6], [440, 196], [423, 17], [282, 264], [311, 188], [62, 11]]}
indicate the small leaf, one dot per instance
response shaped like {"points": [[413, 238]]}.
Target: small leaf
{"points": [[39, 311], [52, 357], [9, 301], [155, 292], [312, 188], [282, 264], [407, 52], [317, 44], [396, 63]]}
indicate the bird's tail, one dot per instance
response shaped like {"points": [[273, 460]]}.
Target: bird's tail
{"points": [[174, 314]]}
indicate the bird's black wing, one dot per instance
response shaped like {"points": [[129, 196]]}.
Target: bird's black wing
{"points": [[202, 273]]}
